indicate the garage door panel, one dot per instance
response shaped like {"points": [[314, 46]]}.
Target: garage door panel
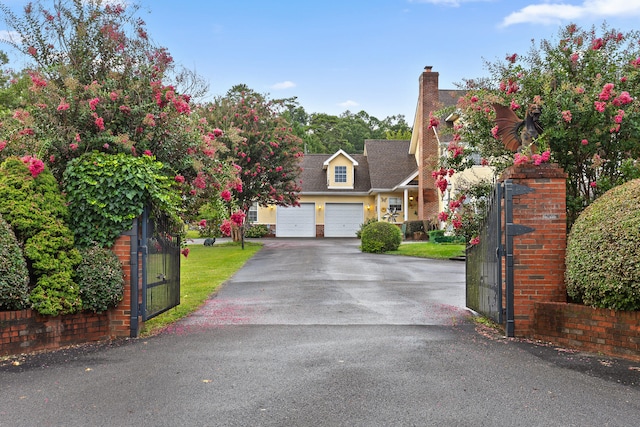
{"points": [[343, 219], [296, 221]]}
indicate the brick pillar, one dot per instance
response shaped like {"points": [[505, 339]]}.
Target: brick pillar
{"points": [[120, 316], [538, 256], [428, 205]]}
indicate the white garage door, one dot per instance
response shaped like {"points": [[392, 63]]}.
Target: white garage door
{"points": [[296, 221], [342, 219]]}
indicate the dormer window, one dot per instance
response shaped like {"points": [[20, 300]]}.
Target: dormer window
{"points": [[340, 173]]}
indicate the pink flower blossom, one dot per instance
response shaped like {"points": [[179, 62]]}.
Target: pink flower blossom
{"points": [[600, 106], [200, 182], [623, 99], [113, 96], [574, 57], [566, 116], [474, 99], [225, 227], [433, 121], [443, 216], [593, 184], [36, 166], [605, 94], [77, 138], [584, 142], [512, 58], [457, 223], [494, 131], [185, 252], [179, 179], [514, 105], [238, 218], [125, 109], [3, 144], [202, 223], [636, 62], [93, 103], [596, 44], [147, 153], [99, 123], [217, 132], [73, 146], [226, 195], [454, 204], [63, 106], [619, 116], [474, 241], [520, 159], [238, 187], [546, 156]]}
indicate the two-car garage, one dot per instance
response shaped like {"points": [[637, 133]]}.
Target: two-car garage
{"points": [[340, 220]]}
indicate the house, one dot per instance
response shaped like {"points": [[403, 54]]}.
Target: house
{"points": [[428, 147], [341, 191], [391, 180]]}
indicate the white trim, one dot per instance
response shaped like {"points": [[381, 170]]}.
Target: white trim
{"points": [[339, 152]]}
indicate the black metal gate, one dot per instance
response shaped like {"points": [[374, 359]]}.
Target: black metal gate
{"points": [[160, 250], [484, 261]]}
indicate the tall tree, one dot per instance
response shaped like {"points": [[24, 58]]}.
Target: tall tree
{"points": [[97, 83], [262, 145], [587, 84]]}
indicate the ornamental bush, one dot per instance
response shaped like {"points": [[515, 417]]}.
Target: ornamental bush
{"points": [[603, 251], [31, 202], [256, 231], [107, 191], [14, 276], [380, 237], [100, 279]]}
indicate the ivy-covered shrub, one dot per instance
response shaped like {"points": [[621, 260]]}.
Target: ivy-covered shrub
{"points": [[107, 191], [31, 202], [256, 231], [14, 276], [603, 251], [380, 237], [414, 227], [100, 279]]}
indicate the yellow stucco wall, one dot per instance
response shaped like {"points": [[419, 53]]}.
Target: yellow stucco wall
{"points": [[267, 215]]}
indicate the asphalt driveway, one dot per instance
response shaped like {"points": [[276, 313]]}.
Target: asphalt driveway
{"points": [[315, 333]]}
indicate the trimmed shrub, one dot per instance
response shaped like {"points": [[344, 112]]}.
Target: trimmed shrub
{"points": [[380, 237], [438, 236], [100, 279], [603, 251], [362, 226], [256, 231], [14, 275], [414, 227], [33, 205]]}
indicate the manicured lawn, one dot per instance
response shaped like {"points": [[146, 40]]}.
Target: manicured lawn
{"points": [[201, 273], [430, 250]]}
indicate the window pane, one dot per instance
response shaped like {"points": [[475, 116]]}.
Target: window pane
{"points": [[395, 203], [341, 173], [252, 215]]}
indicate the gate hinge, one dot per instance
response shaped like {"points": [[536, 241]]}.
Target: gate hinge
{"points": [[517, 229], [518, 189]]}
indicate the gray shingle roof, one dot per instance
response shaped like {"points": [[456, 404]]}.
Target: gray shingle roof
{"points": [[386, 164]]}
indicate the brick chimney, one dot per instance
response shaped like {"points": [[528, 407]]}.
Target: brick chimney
{"points": [[428, 101]]}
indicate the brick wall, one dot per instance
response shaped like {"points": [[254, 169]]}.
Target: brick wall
{"points": [[538, 256], [615, 333], [26, 331]]}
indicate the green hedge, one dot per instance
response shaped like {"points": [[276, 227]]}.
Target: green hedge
{"points": [[14, 275], [603, 251]]}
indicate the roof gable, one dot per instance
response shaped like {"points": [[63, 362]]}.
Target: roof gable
{"points": [[340, 152]]}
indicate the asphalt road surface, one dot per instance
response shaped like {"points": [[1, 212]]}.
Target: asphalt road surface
{"points": [[315, 333]]}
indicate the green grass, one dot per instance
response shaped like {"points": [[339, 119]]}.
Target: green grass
{"points": [[430, 250], [201, 273]]}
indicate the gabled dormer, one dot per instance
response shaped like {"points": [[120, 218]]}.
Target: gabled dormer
{"points": [[340, 170]]}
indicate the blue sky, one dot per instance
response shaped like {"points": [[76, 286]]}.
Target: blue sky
{"points": [[338, 55]]}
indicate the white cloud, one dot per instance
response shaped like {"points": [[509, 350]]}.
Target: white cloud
{"points": [[283, 85], [10, 36], [348, 103], [553, 13]]}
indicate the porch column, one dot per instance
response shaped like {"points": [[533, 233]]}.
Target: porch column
{"points": [[378, 207], [405, 205]]}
